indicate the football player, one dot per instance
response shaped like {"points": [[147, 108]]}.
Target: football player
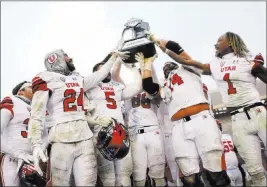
{"points": [[15, 146], [108, 96], [235, 71], [195, 133], [60, 91], [146, 139]]}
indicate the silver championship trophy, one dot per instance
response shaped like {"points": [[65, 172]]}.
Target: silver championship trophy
{"points": [[134, 40]]}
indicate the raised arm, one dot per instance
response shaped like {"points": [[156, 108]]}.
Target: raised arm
{"points": [[97, 76], [134, 88], [115, 73], [149, 86], [176, 52]]}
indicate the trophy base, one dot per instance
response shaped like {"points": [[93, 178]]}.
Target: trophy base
{"points": [[148, 50]]}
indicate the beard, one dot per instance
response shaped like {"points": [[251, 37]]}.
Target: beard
{"points": [[107, 79], [224, 52], [71, 66]]}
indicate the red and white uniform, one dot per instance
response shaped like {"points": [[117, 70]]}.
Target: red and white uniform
{"points": [[145, 136], [108, 98], [62, 97], [238, 89], [184, 86], [231, 161], [234, 79], [15, 115], [198, 136]]}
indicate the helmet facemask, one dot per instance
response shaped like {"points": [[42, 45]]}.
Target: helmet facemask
{"points": [[168, 67]]}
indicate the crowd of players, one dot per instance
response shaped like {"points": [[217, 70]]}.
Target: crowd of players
{"points": [[63, 129]]}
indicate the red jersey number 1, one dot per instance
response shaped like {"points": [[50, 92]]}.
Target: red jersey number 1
{"points": [[231, 89]]}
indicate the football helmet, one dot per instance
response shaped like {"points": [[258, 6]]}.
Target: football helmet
{"points": [[55, 61], [29, 176], [113, 141], [168, 67]]}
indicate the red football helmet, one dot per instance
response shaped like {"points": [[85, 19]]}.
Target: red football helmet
{"points": [[30, 177], [113, 141]]}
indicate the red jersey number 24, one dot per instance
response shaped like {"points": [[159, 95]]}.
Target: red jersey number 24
{"points": [[69, 104]]}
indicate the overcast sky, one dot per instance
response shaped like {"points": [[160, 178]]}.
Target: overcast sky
{"points": [[87, 31]]}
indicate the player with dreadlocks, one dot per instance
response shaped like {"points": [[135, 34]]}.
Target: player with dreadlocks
{"points": [[235, 71]]}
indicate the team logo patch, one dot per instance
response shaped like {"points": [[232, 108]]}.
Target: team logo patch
{"points": [[51, 59]]}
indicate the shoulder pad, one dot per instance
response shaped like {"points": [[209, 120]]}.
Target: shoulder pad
{"points": [[7, 103], [39, 82]]}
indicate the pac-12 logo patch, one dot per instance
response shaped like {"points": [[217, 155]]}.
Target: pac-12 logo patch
{"points": [[52, 58]]}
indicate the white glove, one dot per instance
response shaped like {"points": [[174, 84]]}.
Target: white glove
{"points": [[103, 121], [148, 62], [37, 154], [23, 156], [165, 94], [123, 55], [151, 37], [139, 57], [98, 120]]}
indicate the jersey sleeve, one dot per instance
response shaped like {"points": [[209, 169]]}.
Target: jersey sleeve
{"points": [[134, 88], [96, 77], [7, 104], [38, 113], [6, 116], [40, 83]]}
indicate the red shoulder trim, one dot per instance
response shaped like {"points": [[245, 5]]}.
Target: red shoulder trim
{"points": [[39, 84], [7, 103]]}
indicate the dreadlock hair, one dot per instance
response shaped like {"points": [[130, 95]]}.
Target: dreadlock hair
{"points": [[237, 44], [17, 88], [95, 68]]}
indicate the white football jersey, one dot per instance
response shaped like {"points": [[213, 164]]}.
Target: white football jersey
{"points": [[108, 99], [230, 156], [186, 89], [141, 111], [66, 96], [234, 79], [16, 132]]}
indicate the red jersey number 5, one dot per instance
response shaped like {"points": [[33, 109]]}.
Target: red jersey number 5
{"points": [[111, 101]]}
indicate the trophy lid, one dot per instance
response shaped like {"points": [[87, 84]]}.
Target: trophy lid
{"points": [[133, 22]]}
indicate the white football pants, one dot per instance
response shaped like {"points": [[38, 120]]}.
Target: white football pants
{"points": [[246, 136]]}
